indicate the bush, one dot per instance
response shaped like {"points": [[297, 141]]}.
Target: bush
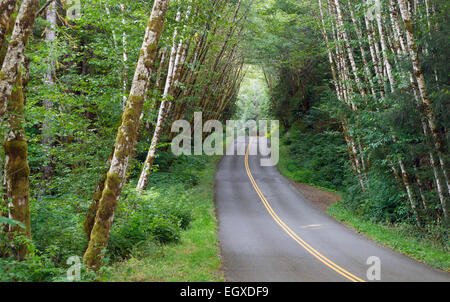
{"points": [[56, 225], [148, 216], [304, 176], [381, 202], [143, 222], [35, 269], [315, 158]]}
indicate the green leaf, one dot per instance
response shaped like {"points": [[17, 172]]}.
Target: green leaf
{"points": [[11, 222]]}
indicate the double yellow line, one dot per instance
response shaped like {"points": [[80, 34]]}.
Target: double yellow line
{"points": [[291, 233]]}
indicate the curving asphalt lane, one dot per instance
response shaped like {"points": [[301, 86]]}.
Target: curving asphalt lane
{"points": [[287, 238]]}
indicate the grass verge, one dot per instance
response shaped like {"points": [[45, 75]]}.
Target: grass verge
{"points": [[194, 258], [296, 163], [399, 238]]}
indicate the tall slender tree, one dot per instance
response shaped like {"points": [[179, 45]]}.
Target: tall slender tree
{"points": [[126, 137]]}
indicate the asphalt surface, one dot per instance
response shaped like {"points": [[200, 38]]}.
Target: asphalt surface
{"points": [[278, 235]]}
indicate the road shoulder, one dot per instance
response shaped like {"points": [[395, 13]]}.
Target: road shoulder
{"points": [[395, 238]]}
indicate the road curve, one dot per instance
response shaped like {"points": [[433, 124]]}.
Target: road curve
{"points": [[269, 232]]}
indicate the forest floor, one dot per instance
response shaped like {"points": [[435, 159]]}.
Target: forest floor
{"points": [[320, 198], [195, 257]]}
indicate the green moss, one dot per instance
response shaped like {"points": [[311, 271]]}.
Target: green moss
{"points": [[17, 167], [130, 114], [152, 47], [148, 64], [102, 227], [17, 173], [119, 154], [128, 128], [29, 17], [97, 195], [150, 23], [14, 43], [107, 204], [16, 147], [113, 180], [134, 99]]}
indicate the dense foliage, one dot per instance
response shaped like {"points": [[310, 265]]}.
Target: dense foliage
{"points": [[74, 82], [86, 103], [353, 127], [143, 221]]}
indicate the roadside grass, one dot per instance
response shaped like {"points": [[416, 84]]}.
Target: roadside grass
{"points": [[397, 237], [196, 255]]}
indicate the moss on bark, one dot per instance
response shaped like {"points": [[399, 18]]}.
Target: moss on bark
{"points": [[92, 211], [17, 169], [100, 233], [125, 141]]}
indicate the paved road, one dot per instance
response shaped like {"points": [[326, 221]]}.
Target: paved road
{"points": [[269, 232]]}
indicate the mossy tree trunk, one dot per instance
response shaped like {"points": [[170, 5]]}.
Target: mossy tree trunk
{"points": [[14, 56], [174, 66], [126, 137], [92, 211], [12, 101], [6, 10], [17, 169]]}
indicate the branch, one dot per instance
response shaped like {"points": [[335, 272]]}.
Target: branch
{"points": [[44, 7]]}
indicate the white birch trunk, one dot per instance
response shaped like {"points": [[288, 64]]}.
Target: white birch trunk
{"points": [[428, 106], [174, 66], [50, 38]]}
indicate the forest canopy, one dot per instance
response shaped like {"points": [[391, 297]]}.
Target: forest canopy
{"points": [[89, 90]]}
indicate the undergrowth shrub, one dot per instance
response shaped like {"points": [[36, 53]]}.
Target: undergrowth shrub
{"points": [[314, 158], [56, 227], [143, 222]]}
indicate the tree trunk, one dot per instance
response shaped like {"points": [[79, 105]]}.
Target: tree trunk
{"points": [[124, 57], [17, 169], [126, 137], [409, 192], [384, 50], [427, 105], [373, 47], [6, 9], [14, 57], [367, 73], [50, 37], [173, 71], [403, 50], [92, 211], [343, 33]]}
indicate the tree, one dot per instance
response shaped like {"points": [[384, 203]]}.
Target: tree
{"points": [[126, 137]]}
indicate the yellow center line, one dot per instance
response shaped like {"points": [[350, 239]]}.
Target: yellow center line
{"points": [[291, 233]]}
